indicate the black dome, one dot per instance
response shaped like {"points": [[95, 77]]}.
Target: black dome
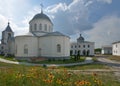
{"points": [[80, 39], [8, 28], [41, 16]]}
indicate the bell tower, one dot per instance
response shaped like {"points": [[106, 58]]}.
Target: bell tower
{"points": [[7, 35]]}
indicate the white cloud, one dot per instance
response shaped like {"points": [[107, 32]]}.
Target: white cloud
{"points": [[105, 31], [17, 30], [70, 18], [88, 3], [14, 11], [3, 20]]}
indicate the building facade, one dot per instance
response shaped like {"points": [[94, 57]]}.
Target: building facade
{"points": [[82, 47], [116, 48], [107, 50]]}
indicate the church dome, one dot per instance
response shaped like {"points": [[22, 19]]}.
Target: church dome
{"points": [[40, 23], [80, 39], [41, 16]]}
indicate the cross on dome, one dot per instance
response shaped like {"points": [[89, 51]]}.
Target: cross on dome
{"points": [[41, 5], [8, 22]]}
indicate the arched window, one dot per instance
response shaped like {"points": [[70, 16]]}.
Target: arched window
{"points": [[88, 46], [75, 52], [58, 48], [45, 27], [9, 35], [88, 52], [40, 27], [35, 27], [71, 52], [84, 46], [79, 52], [25, 49], [84, 52], [75, 46], [49, 28]]}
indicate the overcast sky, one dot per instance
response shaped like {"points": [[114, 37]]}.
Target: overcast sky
{"points": [[97, 20]]}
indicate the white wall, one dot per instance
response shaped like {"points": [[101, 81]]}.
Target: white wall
{"points": [[116, 49], [32, 43], [48, 46], [106, 50]]}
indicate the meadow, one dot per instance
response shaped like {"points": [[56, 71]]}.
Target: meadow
{"points": [[21, 75]]}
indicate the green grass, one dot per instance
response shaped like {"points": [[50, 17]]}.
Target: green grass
{"points": [[88, 66], [8, 58], [67, 61], [94, 59], [52, 61]]}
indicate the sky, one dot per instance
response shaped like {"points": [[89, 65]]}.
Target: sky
{"points": [[97, 20]]}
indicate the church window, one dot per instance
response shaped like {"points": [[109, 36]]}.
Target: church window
{"points": [[79, 52], [25, 49], [75, 52], [71, 52], [45, 27], [75, 46], [2, 47], [88, 46], [9, 35], [40, 26], [49, 28], [88, 52], [58, 48], [35, 27], [84, 52], [84, 46]]}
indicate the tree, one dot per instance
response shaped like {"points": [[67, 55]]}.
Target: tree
{"points": [[98, 50]]}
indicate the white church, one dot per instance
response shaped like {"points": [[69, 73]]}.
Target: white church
{"points": [[82, 47], [40, 41]]}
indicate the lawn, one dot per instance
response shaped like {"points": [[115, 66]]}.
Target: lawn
{"points": [[116, 58], [21, 75], [88, 66]]}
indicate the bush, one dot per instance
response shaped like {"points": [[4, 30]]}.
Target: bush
{"points": [[64, 60], [49, 60]]}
